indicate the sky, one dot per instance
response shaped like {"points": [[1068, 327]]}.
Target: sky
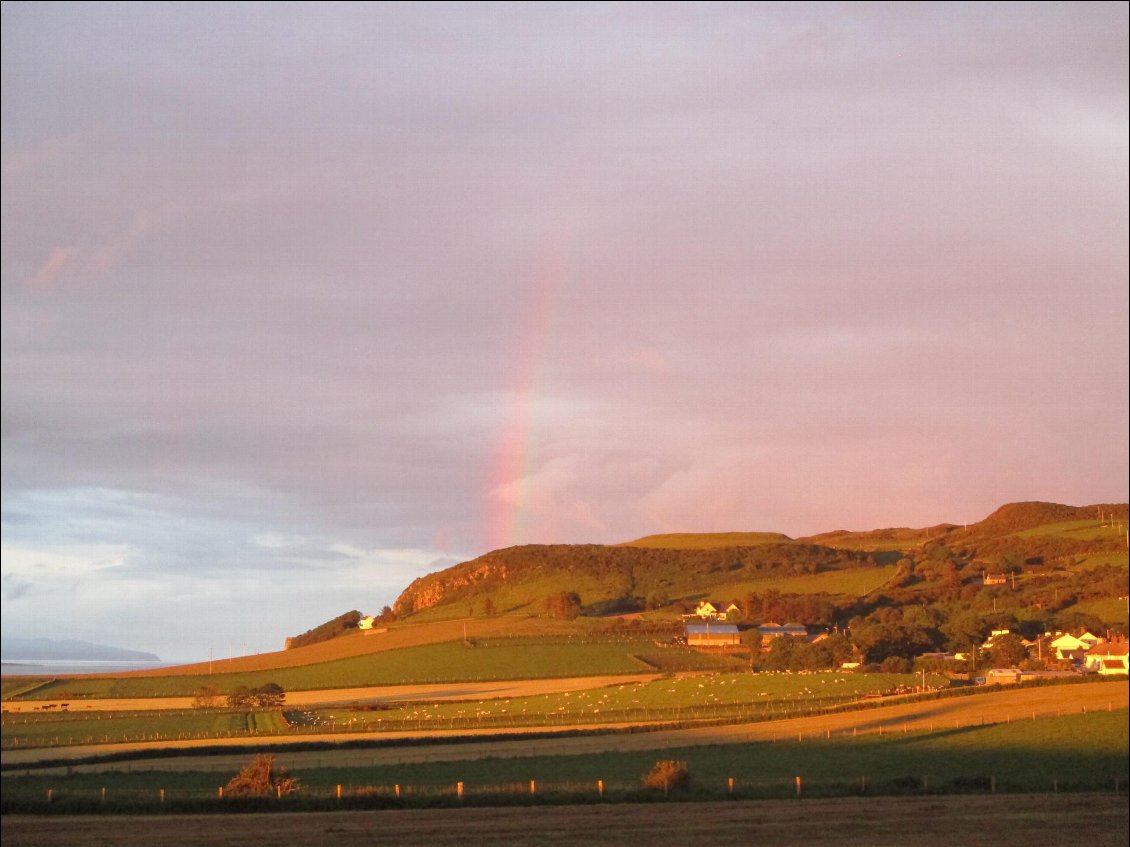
{"points": [[301, 302]]}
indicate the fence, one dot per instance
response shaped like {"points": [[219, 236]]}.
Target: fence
{"points": [[527, 792]]}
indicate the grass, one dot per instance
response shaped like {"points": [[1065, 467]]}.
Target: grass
{"points": [[734, 696], [63, 728], [707, 540], [1069, 753], [1096, 820], [1081, 750], [1076, 530], [855, 582], [728, 697], [1109, 609], [490, 659]]}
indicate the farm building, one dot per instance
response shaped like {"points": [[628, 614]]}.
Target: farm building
{"points": [[770, 631], [713, 635]]}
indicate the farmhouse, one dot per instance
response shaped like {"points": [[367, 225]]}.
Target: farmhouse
{"points": [[1070, 648], [715, 609], [366, 622], [713, 635], [1108, 659]]}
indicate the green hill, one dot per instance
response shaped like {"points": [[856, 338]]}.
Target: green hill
{"points": [[671, 573]]}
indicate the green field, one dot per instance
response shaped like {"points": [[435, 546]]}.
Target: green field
{"points": [[1078, 530], [1070, 753], [63, 728], [1077, 750], [488, 659], [716, 697]]}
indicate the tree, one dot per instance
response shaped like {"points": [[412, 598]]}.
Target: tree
{"points": [[668, 775], [269, 696], [885, 633], [1007, 651], [387, 615], [241, 698], [488, 608], [565, 605], [206, 697]]}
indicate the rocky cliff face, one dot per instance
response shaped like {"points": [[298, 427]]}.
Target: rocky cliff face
{"points": [[436, 588]]}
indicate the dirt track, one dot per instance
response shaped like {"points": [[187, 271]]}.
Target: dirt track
{"points": [[994, 821], [989, 707]]}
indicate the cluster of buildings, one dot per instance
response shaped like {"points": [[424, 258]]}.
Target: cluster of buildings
{"points": [[1084, 652], [708, 627]]}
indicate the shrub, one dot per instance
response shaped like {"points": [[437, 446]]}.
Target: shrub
{"points": [[668, 775], [260, 777]]}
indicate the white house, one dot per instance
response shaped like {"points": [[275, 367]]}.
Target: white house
{"points": [[1071, 648], [1108, 659], [714, 609], [366, 622]]}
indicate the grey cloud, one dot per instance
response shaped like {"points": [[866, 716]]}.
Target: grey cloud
{"points": [[329, 272]]}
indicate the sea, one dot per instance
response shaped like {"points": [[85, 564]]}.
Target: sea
{"points": [[59, 667]]}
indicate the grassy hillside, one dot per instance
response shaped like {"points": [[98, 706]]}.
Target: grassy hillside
{"points": [[707, 540], [1046, 542]]}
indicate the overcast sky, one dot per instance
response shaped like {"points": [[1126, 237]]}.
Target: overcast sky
{"points": [[303, 301]]}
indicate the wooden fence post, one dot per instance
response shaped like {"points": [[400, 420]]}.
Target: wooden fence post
{"points": [[50, 794], [730, 785], [397, 788], [600, 787], [533, 786], [459, 790], [798, 786], [339, 791], [103, 795], [220, 793], [162, 795]]}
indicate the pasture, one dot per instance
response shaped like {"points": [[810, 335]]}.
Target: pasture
{"points": [[454, 661], [726, 697], [1075, 752]]}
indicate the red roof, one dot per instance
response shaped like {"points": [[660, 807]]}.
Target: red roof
{"points": [[1121, 648]]}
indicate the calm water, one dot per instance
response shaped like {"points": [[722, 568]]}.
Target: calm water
{"points": [[54, 667]]}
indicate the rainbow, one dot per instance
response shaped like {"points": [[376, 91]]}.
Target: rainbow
{"points": [[508, 487]]}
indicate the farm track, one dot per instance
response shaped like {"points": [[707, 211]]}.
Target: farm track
{"points": [[933, 715], [1096, 820]]}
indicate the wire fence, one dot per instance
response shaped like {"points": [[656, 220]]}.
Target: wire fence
{"points": [[534, 791]]}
